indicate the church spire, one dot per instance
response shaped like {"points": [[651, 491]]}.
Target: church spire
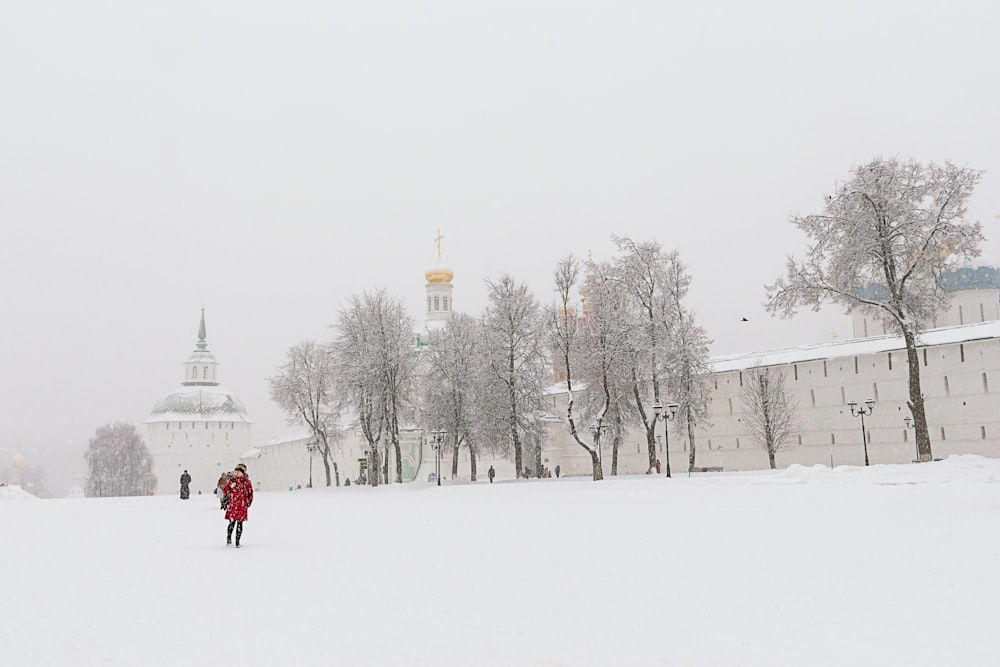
{"points": [[201, 368], [202, 345]]}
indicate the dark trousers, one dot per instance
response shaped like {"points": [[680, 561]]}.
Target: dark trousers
{"points": [[239, 531]]}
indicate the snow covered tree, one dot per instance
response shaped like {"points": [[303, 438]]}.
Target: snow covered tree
{"points": [[606, 355], [453, 357], [377, 364], [686, 356], [515, 370], [892, 225], [565, 333], [771, 413], [641, 268], [304, 390], [120, 463]]}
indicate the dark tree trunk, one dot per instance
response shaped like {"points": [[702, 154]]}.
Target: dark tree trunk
{"points": [[375, 472], [614, 454], [472, 461], [336, 473], [691, 444], [916, 402], [770, 457], [596, 462], [454, 461], [399, 462]]}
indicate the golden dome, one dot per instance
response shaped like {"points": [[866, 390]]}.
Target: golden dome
{"points": [[439, 276]]}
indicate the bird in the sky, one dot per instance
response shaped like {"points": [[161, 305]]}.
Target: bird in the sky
{"points": [[743, 319]]}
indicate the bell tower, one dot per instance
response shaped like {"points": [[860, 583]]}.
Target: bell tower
{"points": [[439, 288]]}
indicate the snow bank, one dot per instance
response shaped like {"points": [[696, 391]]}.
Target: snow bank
{"points": [[15, 492]]}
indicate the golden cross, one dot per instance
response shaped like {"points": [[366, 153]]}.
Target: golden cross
{"points": [[438, 239]]}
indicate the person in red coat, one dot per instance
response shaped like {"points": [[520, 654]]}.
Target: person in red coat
{"points": [[240, 492]]}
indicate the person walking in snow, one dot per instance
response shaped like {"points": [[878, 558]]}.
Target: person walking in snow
{"points": [[491, 474], [240, 492], [557, 470], [222, 489], [185, 485]]}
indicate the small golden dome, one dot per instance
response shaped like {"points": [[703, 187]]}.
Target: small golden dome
{"points": [[439, 276]]}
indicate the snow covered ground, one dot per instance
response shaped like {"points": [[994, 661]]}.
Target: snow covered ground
{"points": [[891, 565]]}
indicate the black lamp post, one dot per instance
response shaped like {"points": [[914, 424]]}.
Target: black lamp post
{"points": [[595, 430], [311, 447], [437, 439], [666, 416], [913, 426], [861, 411]]}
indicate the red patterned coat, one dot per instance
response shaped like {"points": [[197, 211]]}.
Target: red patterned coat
{"points": [[240, 498]]}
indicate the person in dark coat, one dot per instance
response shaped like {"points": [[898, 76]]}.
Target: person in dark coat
{"points": [[557, 470], [240, 492], [491, 473], [185, 485]]}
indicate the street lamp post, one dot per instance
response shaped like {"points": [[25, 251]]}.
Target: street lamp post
{"points": [[861, 411], [437, 439], [311, 447], [913, 426], [595, 430], [666, 415]]}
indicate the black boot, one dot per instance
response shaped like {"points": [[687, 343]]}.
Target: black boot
{"points": [[239, 533], [229, 534]]}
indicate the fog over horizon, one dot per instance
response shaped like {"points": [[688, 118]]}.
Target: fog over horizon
{"points": [[267, 160]]}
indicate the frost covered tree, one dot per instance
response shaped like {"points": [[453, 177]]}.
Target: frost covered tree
{"points": [[304, 390], [607, 355], [120, 463], [566, 332], [515, 370], [376, 367], [686, 355], [641, 267], [892, 225], [770, 411], [454, 363]]}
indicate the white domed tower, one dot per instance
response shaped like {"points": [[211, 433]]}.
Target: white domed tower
{"points": [[439, 287], [199, 427]]}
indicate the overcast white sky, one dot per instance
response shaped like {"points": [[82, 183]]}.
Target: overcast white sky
{"points": [[268, 159]]}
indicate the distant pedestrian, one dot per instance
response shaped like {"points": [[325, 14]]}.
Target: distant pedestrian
{"points": [[491, 474], [185, 485], [658, 466], [222, 489], [548, 474], [240, 499], [557, 471]]}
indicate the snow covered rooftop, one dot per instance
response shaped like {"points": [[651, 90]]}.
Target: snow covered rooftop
{"points": [[199, 403], [850, 348]]}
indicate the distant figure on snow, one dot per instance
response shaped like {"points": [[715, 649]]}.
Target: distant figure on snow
{"points": [[222, 489], [185, 485], [557, 471], [240, 499], [658, 466], [491, 473]]}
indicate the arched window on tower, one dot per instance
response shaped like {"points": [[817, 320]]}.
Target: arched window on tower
{"points": [[428, 304], [437, 303], [444, 299], [204, 373], [194, 372]]}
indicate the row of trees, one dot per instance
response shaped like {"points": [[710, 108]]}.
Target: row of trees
{"points": [[618, 333]]}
